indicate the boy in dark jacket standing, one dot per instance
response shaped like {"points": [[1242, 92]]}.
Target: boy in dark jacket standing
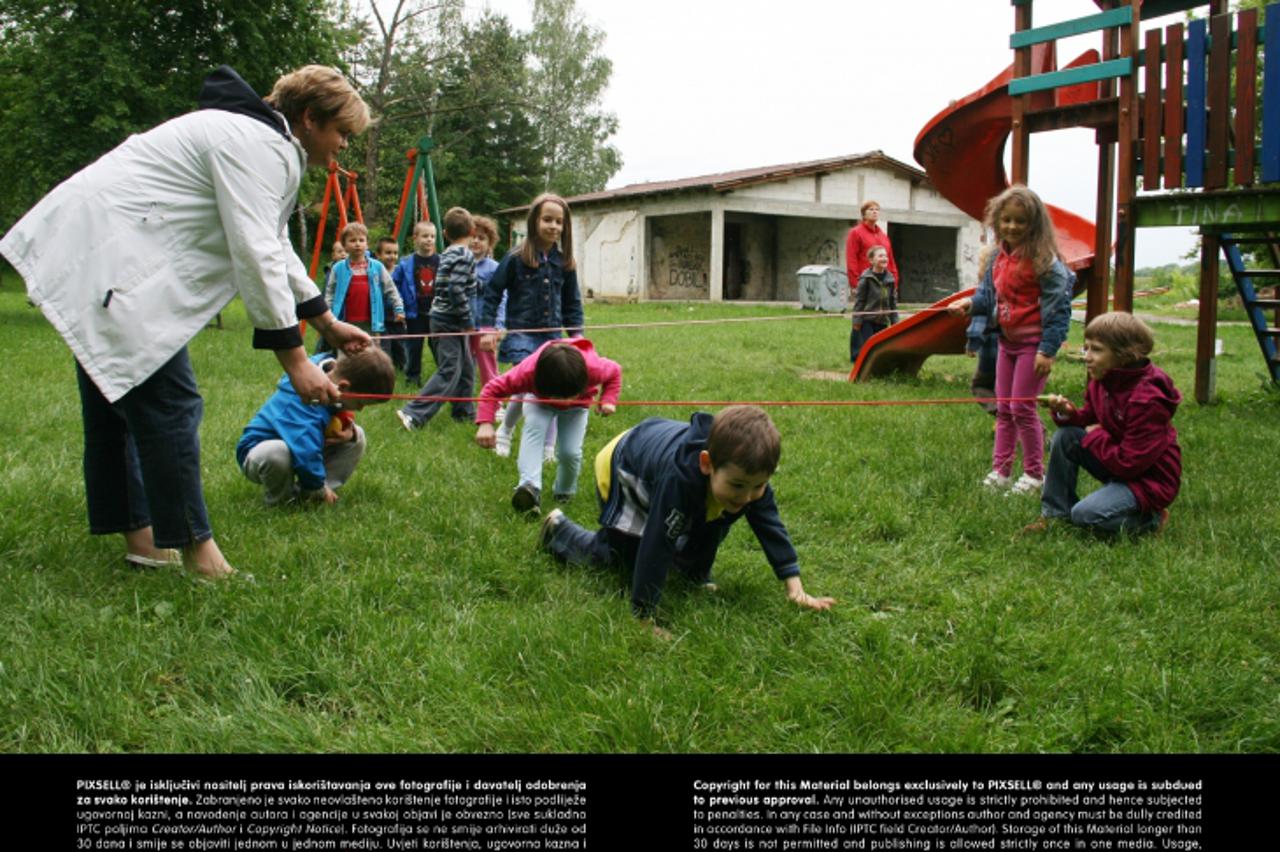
{"points": [[670, 493], [875, 301], [1123, 435]]}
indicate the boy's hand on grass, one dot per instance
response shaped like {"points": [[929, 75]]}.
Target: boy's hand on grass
{"points": [[797, 595], [322, 495], [486, 437]]}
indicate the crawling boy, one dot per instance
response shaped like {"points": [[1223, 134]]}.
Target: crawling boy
{"points": [[294, 449], [671, 491]]}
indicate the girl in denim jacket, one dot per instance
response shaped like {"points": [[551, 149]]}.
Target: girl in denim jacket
{"points": [[1026, 290], [540, 280]]}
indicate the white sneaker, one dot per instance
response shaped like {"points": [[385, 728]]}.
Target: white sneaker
{"points": [[405, 420], [1026, 485], [502, 444], [996, 482]]}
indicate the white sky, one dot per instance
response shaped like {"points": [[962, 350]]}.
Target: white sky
{"points": [[704, 86]]}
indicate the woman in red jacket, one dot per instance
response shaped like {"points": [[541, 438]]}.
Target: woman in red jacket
{"points": [[861, 239], [1122, 435]]}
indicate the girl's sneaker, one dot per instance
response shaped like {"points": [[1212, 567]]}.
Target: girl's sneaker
{"points": [[1026, 484], [502, 443], [996, 481]]}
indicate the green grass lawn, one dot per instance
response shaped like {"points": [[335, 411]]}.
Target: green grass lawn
{"points": [[416, 615]]}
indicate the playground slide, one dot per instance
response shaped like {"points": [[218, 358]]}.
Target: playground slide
{"points": [[962, 151]]}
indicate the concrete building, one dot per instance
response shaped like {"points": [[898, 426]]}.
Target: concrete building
{"points": [[743, 235]]}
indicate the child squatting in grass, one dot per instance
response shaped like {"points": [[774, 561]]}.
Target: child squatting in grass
{"points": [[1123, 435], [669, 493], [293, 449], [566, 376]]}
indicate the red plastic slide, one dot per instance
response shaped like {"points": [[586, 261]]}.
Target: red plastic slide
{"points": [[962, 151]]}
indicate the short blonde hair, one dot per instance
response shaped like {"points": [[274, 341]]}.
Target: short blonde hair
{"points": [[323, 92], [353, 229], [1124, 334]]}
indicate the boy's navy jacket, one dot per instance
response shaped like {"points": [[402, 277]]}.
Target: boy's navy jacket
{"points": [[287, 418], [656, 463], [545, 296]]}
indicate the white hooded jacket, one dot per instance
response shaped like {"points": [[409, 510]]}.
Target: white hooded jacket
{"points": [[133, 255]]}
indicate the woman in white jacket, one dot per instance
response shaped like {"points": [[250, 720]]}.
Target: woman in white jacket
{"points": [[133, 255]]}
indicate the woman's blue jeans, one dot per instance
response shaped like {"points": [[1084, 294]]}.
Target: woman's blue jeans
{"points": [[142, 456]]}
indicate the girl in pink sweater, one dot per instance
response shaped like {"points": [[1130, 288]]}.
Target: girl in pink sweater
{"points": [[567, 376]]}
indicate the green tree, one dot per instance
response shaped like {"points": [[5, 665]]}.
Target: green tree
{"points": [[78, 76], [396, 59], [488, 154], [567, 83]]}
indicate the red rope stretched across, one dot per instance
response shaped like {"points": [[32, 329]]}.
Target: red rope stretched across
{"points": [[610, 327], [776, 403]]}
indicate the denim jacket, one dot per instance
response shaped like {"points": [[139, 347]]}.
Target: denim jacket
{"points": [[545, 296], [1056, 288]]}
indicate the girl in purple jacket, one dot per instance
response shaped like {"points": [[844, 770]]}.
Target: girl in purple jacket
{"points": [[1122, 435]]}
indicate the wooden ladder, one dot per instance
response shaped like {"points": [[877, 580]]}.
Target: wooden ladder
{"points": [[1248, 283]]}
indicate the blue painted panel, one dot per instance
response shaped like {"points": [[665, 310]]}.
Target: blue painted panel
{"points": [[1197, 112], [1271, 96]]}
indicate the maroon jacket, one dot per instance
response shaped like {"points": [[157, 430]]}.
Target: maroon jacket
{"points": [[1137, 441]]}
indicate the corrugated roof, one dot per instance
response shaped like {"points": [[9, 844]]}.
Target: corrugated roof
{"points": [[728, 181]]}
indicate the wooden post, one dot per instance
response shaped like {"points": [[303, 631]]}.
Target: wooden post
{"points": [[1020, 139], [1098, 298], [1207, 327], [1126, 164]]}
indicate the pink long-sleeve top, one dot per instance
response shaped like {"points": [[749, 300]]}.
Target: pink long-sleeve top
{"points": [[604, 377]]}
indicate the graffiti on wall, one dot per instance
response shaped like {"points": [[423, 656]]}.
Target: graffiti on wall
{"points": [[687, 268], [824, 252]]}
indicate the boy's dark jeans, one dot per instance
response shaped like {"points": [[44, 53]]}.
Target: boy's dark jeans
{"points": [[576, 545], [413, 348], [142, 456]]}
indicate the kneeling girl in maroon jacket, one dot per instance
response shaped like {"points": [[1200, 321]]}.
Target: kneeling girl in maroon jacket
{"points": [[1122, 435]]}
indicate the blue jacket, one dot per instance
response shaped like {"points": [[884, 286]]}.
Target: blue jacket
{"points": [[406, 282], [1056, 288], [545, 296], [287, 418], [655, 470], [340, 280]]}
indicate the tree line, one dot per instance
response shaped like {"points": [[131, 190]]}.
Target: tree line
{"points": [[511, 113]]}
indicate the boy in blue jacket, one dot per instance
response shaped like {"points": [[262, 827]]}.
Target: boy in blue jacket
{"points": [[670, 491], [295, 449]]}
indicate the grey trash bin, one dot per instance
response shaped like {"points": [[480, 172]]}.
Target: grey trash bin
{"points": [[823, 288]]}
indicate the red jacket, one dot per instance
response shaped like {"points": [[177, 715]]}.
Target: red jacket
{"points": [[603, 377], [861, 238], [1137, 441]]}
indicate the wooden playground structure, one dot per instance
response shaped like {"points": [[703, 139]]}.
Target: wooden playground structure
{"points": [[1178, 111]]}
